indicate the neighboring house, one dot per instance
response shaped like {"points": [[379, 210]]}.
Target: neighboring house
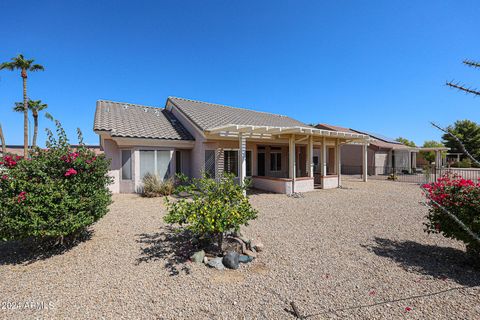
{"points": [[18, 149], [384, 155], [192, 137]]}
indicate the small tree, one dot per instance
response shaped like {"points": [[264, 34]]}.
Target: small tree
{"points": [[213, 207], [35, 106], [405, 141], [466, 131]]}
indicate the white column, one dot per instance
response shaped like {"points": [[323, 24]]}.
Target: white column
{"points": [[364, 162], [291, 160], [242, 156], [323, 156], [339, 163], [310, 156]]}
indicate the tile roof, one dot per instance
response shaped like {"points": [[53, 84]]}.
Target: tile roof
{"points": [[210, 115], [137, 121]]}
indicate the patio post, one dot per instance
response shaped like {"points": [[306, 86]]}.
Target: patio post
{"points": [[364, 162], [291, 160], [339, 163], [324, 158], [310, 156], [242, 155]]}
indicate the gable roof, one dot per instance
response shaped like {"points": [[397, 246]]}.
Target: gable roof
{"points": [[138, 121], [207, 115]]}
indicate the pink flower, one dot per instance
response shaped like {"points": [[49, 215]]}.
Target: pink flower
{"points": [[372, 293], [9, 162], [408, 309], [22, 196], [70, 172], [4, 177]]}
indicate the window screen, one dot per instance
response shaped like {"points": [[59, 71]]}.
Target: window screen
{"points": [[155, 162], [126, 165], [210, 163], [163, 164], [147, 162]]}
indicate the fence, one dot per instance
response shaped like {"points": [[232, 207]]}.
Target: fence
{"points": [[412, 175]]}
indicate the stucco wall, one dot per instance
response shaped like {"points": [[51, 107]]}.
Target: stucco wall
{"points": [[111, 152]]}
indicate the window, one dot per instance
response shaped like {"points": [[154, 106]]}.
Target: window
{"points": [[230, 162], [210, 163], [249, 164], [315, 164], [126, 165], [178, 162], [275, 161], [155, 162]]}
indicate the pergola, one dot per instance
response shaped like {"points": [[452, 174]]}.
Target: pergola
{"points": [[295, 135], [438, 154]]}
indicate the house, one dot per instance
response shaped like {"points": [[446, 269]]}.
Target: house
{"points": [[278, 153], [384, 155]]}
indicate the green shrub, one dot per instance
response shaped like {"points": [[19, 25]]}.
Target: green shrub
{"points": [[212, 208], [56, 193], [464, 163], [153, 186]]}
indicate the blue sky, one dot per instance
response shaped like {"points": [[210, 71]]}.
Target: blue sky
{"points": [[372, 65]]}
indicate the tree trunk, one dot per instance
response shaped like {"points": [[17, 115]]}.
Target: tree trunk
{"points": [[2, 138], [35, 130], [25, 115]]}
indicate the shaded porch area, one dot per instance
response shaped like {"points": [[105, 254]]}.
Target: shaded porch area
{"points": [[287, 160]]}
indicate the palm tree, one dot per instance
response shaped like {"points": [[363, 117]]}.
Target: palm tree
{"points": [[35, 106], [2, 138], [24, 65]]}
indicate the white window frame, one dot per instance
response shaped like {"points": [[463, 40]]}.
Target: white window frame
{"points": [[132, 167], [169, 169]]}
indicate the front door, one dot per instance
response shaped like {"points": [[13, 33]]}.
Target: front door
{"points": [[261, 164]]}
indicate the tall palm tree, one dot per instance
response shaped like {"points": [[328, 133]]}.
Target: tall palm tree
{"points": [[24, 65], [35, 106], [2, 139]]}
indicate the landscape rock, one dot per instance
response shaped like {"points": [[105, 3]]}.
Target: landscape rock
{"points": [[198, 256], [245, 259], [216, 263], [231, 260], [205, 260]]}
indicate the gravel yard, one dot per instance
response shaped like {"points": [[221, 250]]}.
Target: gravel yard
{"points": [[353, 253]]}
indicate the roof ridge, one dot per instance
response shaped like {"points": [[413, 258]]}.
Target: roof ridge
{"points": [[131, 104], [224, 105]]}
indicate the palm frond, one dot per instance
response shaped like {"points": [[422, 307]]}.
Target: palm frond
{"points": [[49, 116], [36, 67], [7, 66], [19, 107]]}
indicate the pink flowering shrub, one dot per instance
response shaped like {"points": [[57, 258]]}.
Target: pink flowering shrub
{"points": [[461, 197], [56, 193]]}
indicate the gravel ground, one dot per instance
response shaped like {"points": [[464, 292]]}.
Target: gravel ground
{"points": [[353, 253]]}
